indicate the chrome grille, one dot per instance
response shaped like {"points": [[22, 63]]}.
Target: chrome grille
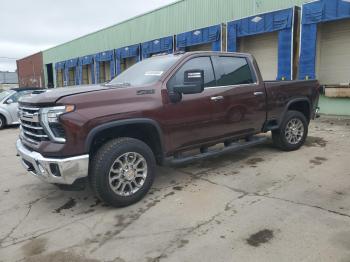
{"points": [[31, 130]]}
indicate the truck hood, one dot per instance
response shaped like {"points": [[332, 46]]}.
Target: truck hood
{"points": [[52, 95]]}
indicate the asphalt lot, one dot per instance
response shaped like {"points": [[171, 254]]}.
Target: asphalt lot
{"points": [[256, 205]]}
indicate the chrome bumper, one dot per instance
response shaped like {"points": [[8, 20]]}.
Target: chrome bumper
{"points": [[53, 170]]}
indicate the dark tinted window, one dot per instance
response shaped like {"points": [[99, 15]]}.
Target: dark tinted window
{"points": [[201, 63], [233, 71]]}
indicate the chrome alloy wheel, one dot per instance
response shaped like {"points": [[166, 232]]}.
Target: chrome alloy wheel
{"points": [[128, 174], [294, 131]]}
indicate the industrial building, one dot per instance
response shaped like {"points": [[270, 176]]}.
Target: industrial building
{"points": [[291, 39]]}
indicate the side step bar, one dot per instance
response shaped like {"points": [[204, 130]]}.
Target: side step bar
{"points": [[229, 148]]}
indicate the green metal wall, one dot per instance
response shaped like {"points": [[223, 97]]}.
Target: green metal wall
{"points": [[176, 18], [334, 106]]}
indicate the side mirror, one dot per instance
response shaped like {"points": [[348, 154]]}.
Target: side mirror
{"points": [[193, 82], [9, 101]]}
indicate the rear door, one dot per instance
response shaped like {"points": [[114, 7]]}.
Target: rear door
{"points": [[239, 103]]}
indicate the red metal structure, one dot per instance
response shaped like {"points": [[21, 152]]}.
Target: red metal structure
{"points": [[30, 71]]}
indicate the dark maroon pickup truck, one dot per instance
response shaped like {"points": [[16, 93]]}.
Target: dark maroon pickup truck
{"points": [[156, 112]]}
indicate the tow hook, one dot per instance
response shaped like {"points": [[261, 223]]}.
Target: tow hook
{"points": [[317, 114]]}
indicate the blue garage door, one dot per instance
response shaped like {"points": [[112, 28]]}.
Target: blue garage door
{"points": [[123, 53], [72, 72], [161, 45], [105, 60], [312, 14], [60, 73], [202, 36], [88, 62], [281, 21]]}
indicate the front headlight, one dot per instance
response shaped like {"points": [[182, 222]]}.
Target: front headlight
{"points": [[49, 119]]}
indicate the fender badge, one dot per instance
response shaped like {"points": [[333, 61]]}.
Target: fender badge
{"points": [[145, 92]]}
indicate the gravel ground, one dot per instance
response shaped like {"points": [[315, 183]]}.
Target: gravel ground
{"points": [[260, 204]]}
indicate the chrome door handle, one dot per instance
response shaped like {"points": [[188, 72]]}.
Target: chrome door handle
{"points": [[216, 98], [258, 93]]}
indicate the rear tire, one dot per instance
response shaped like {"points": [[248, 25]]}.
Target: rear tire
{"points": [[122, 171], [292, 133], [2, 122]]}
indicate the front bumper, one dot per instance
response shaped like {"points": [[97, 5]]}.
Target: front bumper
{"points": [[53, 170]]}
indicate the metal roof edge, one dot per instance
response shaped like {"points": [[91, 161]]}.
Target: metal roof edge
{"points": [[122, 22]]}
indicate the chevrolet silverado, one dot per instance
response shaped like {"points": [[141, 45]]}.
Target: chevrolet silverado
{"points": [[156, 112]]}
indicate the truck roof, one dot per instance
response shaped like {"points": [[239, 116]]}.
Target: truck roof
{"points": [[211, 53]]}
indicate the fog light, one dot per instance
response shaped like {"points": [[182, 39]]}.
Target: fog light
{"points": [[42, 169], [55, 170]]}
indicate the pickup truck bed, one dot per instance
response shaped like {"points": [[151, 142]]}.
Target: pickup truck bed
{"points": [[281, 94]]}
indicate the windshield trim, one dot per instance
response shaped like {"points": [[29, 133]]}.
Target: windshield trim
{"points": [[174, 66], [10, 93]]}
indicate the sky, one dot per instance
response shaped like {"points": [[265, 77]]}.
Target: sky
{"points": [[27, 27]]}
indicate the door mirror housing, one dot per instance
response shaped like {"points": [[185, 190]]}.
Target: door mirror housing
{"points": [[193, 82], [9, 101]]}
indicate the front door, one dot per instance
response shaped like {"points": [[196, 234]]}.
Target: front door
{"points": [[189, 120]]}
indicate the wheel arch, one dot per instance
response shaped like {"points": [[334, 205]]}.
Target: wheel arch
{"points": [[144, 129], [301, 104], [6, 116]]}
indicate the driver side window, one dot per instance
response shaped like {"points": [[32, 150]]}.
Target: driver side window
{"points": [[200, 63]]}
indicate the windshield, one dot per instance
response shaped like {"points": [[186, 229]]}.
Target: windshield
{"points": [[4, 94], [145, 72]]}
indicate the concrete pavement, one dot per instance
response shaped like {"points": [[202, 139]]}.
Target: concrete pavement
{"points": [[260, 204]]}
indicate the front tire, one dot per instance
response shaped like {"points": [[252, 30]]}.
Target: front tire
{"points": [[122, 171], [292, 133], [2, 122]]}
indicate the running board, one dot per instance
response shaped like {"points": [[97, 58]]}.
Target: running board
{"points": [[229, 148]]}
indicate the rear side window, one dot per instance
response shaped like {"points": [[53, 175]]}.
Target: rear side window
{"points": [[201, 63], [233, 71]]}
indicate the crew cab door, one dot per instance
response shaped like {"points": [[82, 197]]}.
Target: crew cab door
{"points": [[239, 105], [189, 117]]}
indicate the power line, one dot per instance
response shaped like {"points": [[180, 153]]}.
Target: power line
{"points": [[10, 58]]}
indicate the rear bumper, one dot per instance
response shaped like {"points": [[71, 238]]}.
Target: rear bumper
{"points": [[53, 170]]}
